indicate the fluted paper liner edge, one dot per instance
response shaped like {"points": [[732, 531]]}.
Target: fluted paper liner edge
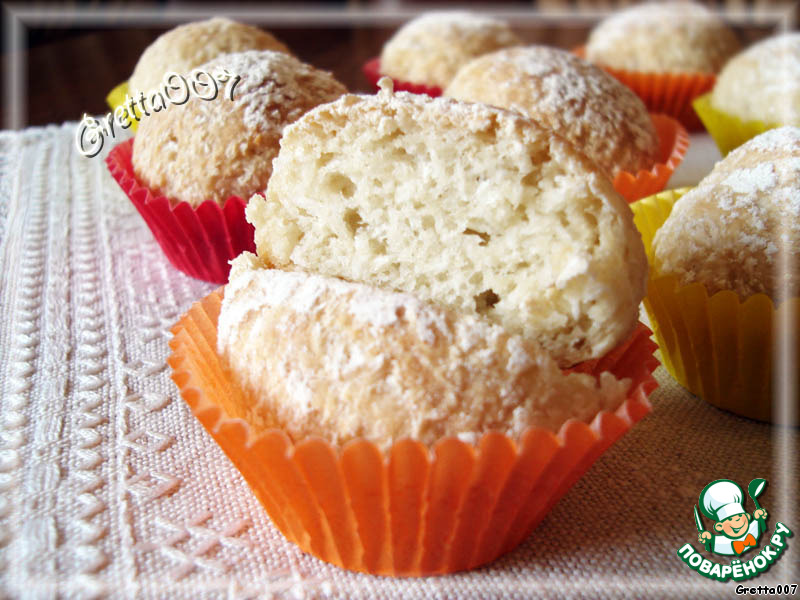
{"points": [[673, 142], [412, 510], [718, 347], [199, 241], [727, 131], [668, 93]]}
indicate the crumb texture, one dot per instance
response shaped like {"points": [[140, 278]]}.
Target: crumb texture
{"points": [[188, 46], [213, 149], [574, 98], [341, 360], [471, 207], [431, 48], [663, 37], [740, 228], [763, 82]]}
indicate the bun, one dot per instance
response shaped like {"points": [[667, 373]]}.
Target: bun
{"points": [[574, 98], [663, 37], [431, 48], [213, 149], [739, 229], [763, 82], [467, 206], [324, 357], [188, 46]]}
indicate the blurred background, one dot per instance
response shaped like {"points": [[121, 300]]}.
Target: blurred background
{"points": [[61, 59]]}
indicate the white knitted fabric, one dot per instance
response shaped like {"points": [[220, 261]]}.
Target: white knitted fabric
{"points": [[110, 488]]}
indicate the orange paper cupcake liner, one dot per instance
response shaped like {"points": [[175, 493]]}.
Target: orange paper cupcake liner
{"points": [[411, 510], [728, 131], [667, 93], [673, 141], [198, 241], [718, 347], [372, 71]]}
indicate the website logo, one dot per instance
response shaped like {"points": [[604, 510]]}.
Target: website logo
{"points": [[734, 532]]}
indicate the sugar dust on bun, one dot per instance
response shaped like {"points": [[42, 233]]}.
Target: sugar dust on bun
{"points": [[763, 82], [431, 48], [574, 98], [471, 207], [339, 360], [188, 46], [740, 228], [663, 37], [213, 149]]}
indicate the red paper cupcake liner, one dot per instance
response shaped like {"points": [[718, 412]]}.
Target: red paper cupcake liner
{"points": [[411, 510], [372, 71], [673, 142], [667, 93], [198, 241]]}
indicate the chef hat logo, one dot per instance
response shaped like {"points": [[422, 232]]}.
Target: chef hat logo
{"points": [[722, 499]]}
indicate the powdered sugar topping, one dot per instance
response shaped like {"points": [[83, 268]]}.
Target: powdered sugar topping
{"points": [[647, 16], [778, 176], [778, 63], [449, 25], [580, 100], [275, 88], [311, 294], [306, 293], [751, 181], [780, 139], [759, 196]]}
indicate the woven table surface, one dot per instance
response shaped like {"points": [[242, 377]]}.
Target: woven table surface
{"points": [[110, 488]]}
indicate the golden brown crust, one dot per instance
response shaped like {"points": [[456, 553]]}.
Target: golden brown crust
{"points": [[340, 360], [188, 46], [663, 37], [574, 98], [740, 228], [431, 48], [212, 149]]}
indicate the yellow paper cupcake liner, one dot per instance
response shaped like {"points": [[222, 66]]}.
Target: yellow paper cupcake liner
{"points": [[718, 347], [728, 131], [116, 97]]}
